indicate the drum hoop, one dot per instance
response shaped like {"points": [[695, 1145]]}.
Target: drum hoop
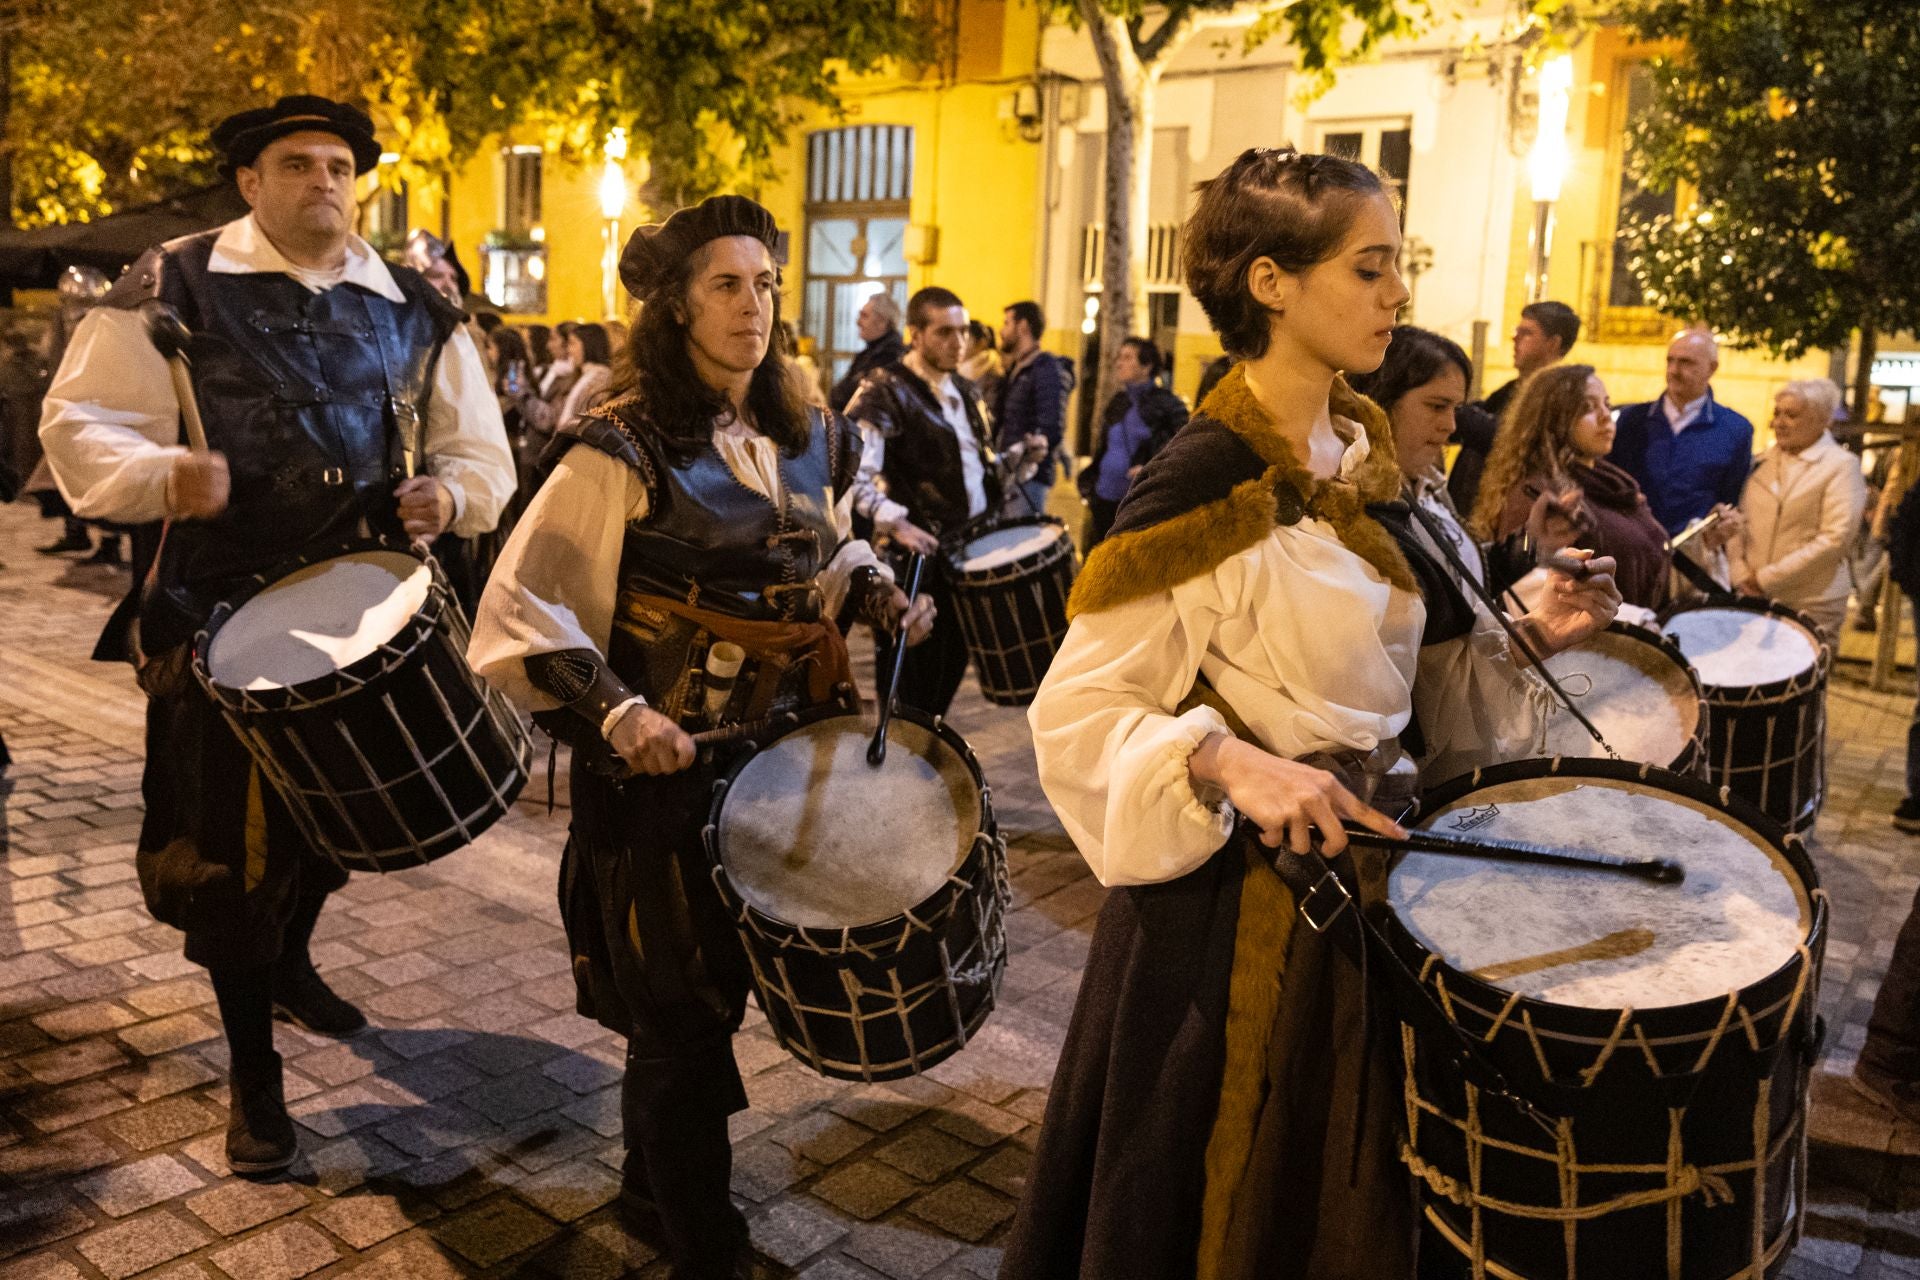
{"points": [[1693, 756], [1464, 988], [1024, 566], [1774, 691], [401, 649], [985, 852]]}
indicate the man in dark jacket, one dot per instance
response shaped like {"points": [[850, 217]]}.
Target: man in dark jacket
{"points": [[1138, 422], [927, 468], [1544, 336], [1688, 451], [1033, 393], [879, 326]]}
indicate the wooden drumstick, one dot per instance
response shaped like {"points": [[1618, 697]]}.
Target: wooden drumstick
{"points": [[169, 337], [877, 749], [1658, 870]]}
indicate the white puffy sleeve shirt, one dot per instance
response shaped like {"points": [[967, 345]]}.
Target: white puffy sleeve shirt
{"points": [[1304, 639], [110, 422], [557, 581]]}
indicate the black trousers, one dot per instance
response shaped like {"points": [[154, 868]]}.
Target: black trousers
{"points": [[656, 957], [1893, 1030], [220, 857], [1101, 523], [935, 667]]}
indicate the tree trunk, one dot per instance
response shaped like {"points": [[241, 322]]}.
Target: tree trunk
{"points": [[1863, 375], [1129, 84], [6, 138]]}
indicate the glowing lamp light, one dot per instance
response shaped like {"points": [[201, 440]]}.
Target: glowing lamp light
{"points": [[613, 201], [1548, 162]]}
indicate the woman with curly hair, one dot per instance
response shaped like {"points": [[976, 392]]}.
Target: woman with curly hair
{"points": [[1553, 444]]}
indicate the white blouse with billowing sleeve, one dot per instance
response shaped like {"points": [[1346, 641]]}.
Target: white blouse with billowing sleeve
{"points": [[557, 581], [1312, 648]]}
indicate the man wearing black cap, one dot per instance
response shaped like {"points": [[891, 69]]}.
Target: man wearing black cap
{"points": [[312, 360], [704, 504]]}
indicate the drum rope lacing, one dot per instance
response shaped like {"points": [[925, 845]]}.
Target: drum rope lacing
{"points": [[1682, 1179]]}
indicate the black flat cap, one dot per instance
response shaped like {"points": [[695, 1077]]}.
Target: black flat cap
{"points": [[241, 138], [657, 253]]}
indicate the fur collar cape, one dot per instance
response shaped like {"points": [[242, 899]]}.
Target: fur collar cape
{"points": [[1223, 483]]}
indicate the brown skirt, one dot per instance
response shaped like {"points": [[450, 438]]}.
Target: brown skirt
{"points": [[1205, 1116]]}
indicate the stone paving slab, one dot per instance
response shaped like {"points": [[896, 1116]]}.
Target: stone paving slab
{"points": [[474, 1129]]}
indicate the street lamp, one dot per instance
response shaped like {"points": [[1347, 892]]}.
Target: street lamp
{"points": [[1547, 166], [613, 201]]}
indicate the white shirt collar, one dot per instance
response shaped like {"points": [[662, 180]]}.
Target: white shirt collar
{"points": [[243, 249], [942, 383], [1812, 453], [1689, 412]]}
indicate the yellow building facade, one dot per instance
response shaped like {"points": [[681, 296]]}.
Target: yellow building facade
{"points": [[920, 179], [983, 174]]}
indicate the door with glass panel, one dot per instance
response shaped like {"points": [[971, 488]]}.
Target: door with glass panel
{"points": [[859, 181]]}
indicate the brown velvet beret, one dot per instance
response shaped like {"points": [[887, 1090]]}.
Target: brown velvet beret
{"points": [[657, 252]]}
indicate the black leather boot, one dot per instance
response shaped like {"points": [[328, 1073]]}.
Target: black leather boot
{"points": [[260, 1138], [301, 996]]}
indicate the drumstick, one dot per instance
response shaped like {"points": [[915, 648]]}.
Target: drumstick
{"points": [[745, 729], [1658, 870], [169, 337], [877, 749], [1572, 566], [1694, 530]]}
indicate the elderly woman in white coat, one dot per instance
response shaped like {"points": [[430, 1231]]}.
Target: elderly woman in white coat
{"points": [[1800, 509]]}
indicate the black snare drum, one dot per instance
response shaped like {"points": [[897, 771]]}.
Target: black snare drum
{"points": [[345, 674], [1011, 581], [871, 901], [1663, 1033], [1764, 668]]}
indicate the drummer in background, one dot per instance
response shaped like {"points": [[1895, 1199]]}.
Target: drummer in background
{"points": [[307, 414], [1799, 511], [1553, 443], [1244, 647], [927, 469], [1474, 698], [704, 501]]}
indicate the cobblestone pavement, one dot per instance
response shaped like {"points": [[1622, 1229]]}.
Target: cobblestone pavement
{"points": [[474, 1129]]}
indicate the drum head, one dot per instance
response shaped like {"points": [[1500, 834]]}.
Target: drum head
{"points": [[1598, 939], [812, 835], [318, 620], [1640, 699], [1003, 546], [1735, 648]]}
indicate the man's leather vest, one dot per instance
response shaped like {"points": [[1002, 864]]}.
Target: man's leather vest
{"points": [[313, 398], [709, 540], [922, 467]]}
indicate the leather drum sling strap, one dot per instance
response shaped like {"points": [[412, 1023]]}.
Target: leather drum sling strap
{"points": [[1324, 897]]}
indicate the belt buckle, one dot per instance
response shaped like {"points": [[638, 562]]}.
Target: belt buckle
{"points": [[333, 476], [780, 594], [1328, 895]]}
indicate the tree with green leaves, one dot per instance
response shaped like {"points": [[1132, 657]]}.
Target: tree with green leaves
{"points": [[708, 89], [1795, 127], [114, 109]]}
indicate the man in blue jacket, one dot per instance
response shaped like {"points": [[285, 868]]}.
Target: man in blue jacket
{"points": [[1686, 449], [1033, 393]]}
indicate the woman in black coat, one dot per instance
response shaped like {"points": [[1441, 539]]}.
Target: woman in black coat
{"points": [[1138, 422]]}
